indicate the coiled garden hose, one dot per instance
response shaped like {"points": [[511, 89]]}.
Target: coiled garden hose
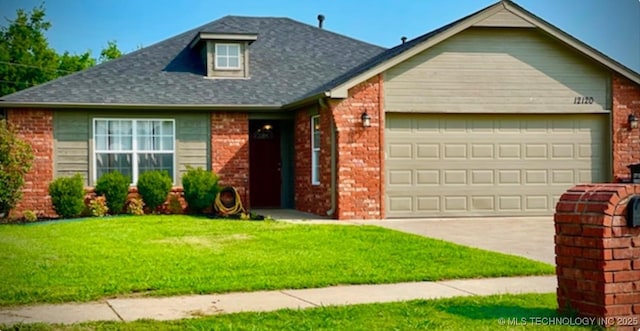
{"points": [[235, 209]]}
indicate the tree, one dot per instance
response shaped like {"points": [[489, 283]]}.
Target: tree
{"points": [[16, 158], [26, 59], [68, 63], [111, 52], [25, 54]]}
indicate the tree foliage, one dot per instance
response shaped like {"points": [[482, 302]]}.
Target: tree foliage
{"points": [[111, 52], [26, 59]]}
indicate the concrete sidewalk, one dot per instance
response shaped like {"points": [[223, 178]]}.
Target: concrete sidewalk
{"points": [[170, 308]]}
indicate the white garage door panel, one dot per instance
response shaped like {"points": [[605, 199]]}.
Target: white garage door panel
{"points": [[482, 165]]}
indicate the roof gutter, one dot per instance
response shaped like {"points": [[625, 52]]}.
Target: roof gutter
{"points": [[303, 102]]}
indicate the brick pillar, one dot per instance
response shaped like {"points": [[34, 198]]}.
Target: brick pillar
{"points": [[597, 255], [230, 151], [626, 141], [35, 126], [360, 152]]}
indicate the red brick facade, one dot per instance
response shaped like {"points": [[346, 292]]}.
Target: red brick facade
{"points": [[626, 141], [35, 126], [308, 197], [360, 152], [598, 255], [230, 151]]}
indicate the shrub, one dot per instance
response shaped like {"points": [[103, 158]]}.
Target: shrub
{"points": [[115, 188], [154, 187], [135, 206], [16, 157], [30, 216], [98, 206], [67, 195], [200, 188], [174, 206]]}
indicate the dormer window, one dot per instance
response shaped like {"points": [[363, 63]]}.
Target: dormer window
{"points": [[225, 55]]}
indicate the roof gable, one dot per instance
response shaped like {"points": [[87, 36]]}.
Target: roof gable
{"points": [[504, 13], [504, 18]]}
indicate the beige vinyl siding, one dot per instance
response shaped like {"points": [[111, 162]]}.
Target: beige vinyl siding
{"points": [[73, 140], [504, 18], [192, 142], [441, 165], [71, 144], [496, 70]]}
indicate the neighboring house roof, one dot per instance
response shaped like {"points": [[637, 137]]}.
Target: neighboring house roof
{"points": [[338, 88], [287, 60]]}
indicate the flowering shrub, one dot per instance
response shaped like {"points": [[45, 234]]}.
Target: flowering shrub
{"points": [[135, 206], [30, 216], [98, 206]]}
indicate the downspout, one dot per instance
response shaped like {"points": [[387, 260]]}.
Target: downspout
{"points": [[332, 188]]}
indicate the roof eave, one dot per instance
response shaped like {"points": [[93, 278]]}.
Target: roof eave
{"points": [[304, 102], [341, 91], [201, 36], [80, 105]]}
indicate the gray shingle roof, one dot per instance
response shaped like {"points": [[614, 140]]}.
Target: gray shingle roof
{"points": [[288, 61]]}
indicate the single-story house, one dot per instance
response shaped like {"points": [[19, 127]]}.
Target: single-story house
{"points": [[495, 114]]}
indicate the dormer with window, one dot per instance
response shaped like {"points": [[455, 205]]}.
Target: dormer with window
{"points": [[225, 55]]}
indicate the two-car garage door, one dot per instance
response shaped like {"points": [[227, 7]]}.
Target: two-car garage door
{"points": [[442, 165]]}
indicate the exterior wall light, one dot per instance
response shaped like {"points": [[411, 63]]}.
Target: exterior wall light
{"points": [[633, 121], [366, 119]]}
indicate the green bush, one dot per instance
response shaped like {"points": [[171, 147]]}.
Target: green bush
{"points": [[154, 187], [16, 157], [115, 188], [67, 195], [200, 188]]}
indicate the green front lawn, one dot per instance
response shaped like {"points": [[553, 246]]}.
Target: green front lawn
{"points": [[84, 260], [507, 312]]}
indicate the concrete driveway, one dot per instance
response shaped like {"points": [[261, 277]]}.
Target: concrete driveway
{"points": [[530, 237]]}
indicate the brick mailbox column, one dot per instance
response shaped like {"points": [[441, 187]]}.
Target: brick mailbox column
{"points": [[598, 255]]}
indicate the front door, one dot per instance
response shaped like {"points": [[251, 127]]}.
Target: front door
{"points": [[265, 164]]}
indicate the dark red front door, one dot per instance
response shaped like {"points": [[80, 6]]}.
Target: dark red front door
{"points": [[264, 161]]}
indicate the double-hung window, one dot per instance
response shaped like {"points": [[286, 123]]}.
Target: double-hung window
{"points": [[133, 146], [315, 150], [227, 56]]}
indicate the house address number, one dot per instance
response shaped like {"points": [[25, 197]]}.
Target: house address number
{"points": [[583, 100]]}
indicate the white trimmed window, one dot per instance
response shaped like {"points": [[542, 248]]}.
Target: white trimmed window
{"points": [[227, 56], [315, 150], [133, 146]]}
